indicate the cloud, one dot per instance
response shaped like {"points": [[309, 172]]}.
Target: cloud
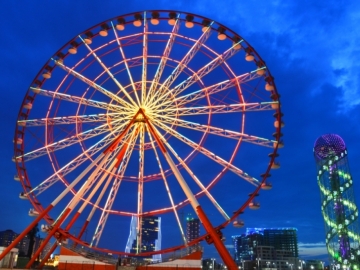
{"points": [[299, 32], [312, 249]]}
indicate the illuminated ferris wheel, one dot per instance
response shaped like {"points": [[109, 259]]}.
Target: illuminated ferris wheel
{"points": [[142, 115]]}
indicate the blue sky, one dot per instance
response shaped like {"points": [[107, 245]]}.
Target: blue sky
{"points": [[310, 47]]}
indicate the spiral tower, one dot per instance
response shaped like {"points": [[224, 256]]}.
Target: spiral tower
{"points": [[337, 201]]}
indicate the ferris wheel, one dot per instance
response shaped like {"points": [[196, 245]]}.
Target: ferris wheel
{"points": [[148, 114]]}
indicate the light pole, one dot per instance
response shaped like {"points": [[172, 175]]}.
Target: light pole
{"points": [[301, 265], [242, 262], [258, 262], [267, 264]]}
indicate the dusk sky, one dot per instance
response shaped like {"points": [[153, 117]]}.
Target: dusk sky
{"points": [[310, 47]]}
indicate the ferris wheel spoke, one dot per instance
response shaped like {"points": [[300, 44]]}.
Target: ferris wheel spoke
{"points": [[80, 137], [107, 70], [221, 58], [114, 189], [218, 131], [127, 69], [199, 183], [73, 164], [228, 108], [66, 120], [168, 189], [78, 100], [110, 176], [98, 162], [140, 192], [205, 70], [144, 66], [163, 91], [63, 143], [212, 89], [104, 188], [209, 154], [88, 183], [163, 61], [97, 87], [98, 179]]}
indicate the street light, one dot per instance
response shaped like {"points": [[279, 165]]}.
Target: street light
{"points": [[258, 262], [301, 265], [267, 264]]}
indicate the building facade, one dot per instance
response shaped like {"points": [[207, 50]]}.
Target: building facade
{"points": [[150, 236], [192, 230], [245, 246], [267, 248], [282, 239]]}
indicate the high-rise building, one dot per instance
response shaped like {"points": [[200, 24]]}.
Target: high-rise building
{"points": [[245, 246], [150, 236], [337, 201], [266, 247], [192, 230], [282, 239]]}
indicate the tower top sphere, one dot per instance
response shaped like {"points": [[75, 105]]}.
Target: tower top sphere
{"points": [[328, 145]]}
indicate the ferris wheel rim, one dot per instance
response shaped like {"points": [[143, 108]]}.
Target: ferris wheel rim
{"points": [[26, 182]]}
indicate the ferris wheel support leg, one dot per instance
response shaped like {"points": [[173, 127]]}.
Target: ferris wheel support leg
{"points": [[47, 238], [219, 245], [23, 234], [47, 256]]}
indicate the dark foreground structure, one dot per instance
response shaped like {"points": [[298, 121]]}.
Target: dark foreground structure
{"points": [[337, 201]]}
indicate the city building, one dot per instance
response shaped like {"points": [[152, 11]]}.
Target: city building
{"points": [[337, 201], [282, 239], [192, 230], [266, 248], [150, 236], [7, 236], [245, 246]]}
